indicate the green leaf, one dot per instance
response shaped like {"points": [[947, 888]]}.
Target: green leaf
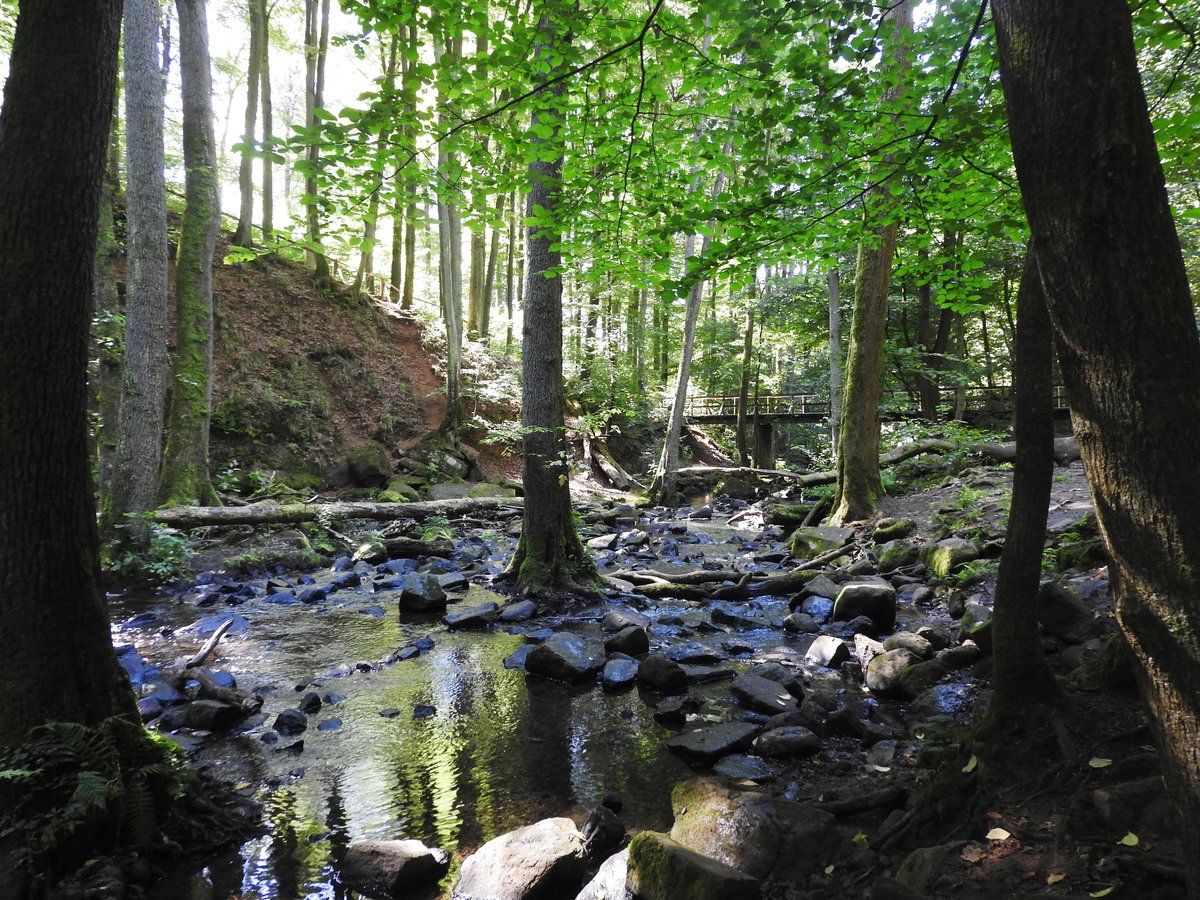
{"points": [[1130, 840]]}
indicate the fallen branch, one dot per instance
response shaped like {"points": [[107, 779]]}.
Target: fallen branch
{"points": [[292, 513], [209, 646]]}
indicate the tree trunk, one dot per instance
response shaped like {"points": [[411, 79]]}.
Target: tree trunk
{"points": [[410, 216], [859, 483], [1023, 678], [56, 116], [106, 315], [185, 476], [448, 56], [259, 8], [316, 45], [741, 427], [366, 262], [1118, 296], [243, 235], [489, 278], [834, 289], [146, 365], [509, 275], [549, 554]]}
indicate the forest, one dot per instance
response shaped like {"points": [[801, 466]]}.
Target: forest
{"points": [[484, 449]]}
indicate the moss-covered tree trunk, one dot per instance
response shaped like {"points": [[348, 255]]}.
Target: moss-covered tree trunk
{"points": [[859, 483], [549, 554], [1117, 290], [146, 365], [58, 662], [185, 476], [1024, 682]]}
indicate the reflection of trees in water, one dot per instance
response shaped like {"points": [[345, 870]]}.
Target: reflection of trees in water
{"points": [[339, 832], [295, 855]]}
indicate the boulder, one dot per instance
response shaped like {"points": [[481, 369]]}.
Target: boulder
{"points": [[290, 721], [565, 657], [827, 651], [817, 586], [392, 869], [620, 619], [883, 672], [907, 640], [609, 883], [421, 592], [711, 742], [542, 861], [801, 623], [809, 541], [893, 529], [875, 600], [764, 837], [762, 695], [948, 556], [659, 868], [976, 625], [791, 741], [518, 611], [476, 617], [633, 641], [895, 555], [661, 674], [370, 465], [619, 673]]}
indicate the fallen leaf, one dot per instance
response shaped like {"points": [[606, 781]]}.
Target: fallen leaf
{"points": [[829, 869], [1130, 840], [1099, 762], [972, 853], [1055, 878], [883, 768], [1104, 892], [971, 765], [998, 834]]}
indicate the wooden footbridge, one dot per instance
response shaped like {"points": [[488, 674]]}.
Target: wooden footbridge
{"points": [[807, 406]]}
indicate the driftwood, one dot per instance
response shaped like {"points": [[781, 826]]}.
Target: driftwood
{"points": [[597, 456], [704, 448], [247, 702], [292, 513], [209, 646]]}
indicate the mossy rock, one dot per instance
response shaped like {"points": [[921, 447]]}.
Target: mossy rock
{"points": [[789, 515], [896, 554], [370, 464], [810, 541], [949, 555], [486, 489], [662, 869], [976, 626], [1079, 555], [893, 529]]}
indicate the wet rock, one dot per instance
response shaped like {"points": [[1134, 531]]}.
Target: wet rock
{"points": [[915, 594], [762, 695], [619, 673], [663, 869], [936, 633], [721, 616], [817, 586], [633, 641], [150, 708], [714, 741], [819, 606], [375, 611], [807, 542], [476, 617], [883, 672], [759, 835], [791, 741], [801, 623], [330, 725], [976, 625], [948, 556], [604, 542], [875, 600], [516, 659], [424, 711], [704, 674], [565, 657], [828, 651], [673, 711], [907, 640], [543, 861], [422, 593], [312, 595], [310, 703], [518, 611], [861, 567], [392, 869], [398, 566], [620, 619], [658, 673], [922, 676], [283, 598], [454, 581], [781, 674], [609, 883], [941, 702], [866, 649], [692, 653], [603, 833], [291, 721], [703, 512], [745, 768]]}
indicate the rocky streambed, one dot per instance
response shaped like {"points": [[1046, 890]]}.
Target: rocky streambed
{"points": [[765, 744]]}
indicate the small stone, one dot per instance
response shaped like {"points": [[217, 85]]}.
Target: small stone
{"points": [[310, 703], [633, 641], [474, 618], [828, 651], [619, 619], [619, 673], [790, 741], [291, 721], [801, 623], [518, 611]]}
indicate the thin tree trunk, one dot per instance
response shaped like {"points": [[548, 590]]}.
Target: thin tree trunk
{"points": [[509, 269], [489, 280], [268, 126], [834, 291], [366, 262], [107, 306], [1118, 295], [185, 475], [243, 235], [743, 403], [145, 367], [316, 45], [859, 482]]}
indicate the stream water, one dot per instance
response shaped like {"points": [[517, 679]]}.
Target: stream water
{"points": [[451, 747]]}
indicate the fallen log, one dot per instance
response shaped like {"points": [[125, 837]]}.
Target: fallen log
{"points": [[293, 513], [209, 646]]}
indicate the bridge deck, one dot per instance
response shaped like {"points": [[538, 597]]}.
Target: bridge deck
{"points": [[814, 407]]}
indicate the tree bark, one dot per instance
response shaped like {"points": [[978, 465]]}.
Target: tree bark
{"points": [[259, 9], [316, 45], [146, 364], [549, 554], [448, 54], [859, 484], [58, 662], [1118, 296], [185, 476], [741, 427], [1024, 682], [834, 291], [243, 234]]}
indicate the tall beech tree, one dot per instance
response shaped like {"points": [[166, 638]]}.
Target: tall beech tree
{"points": [[1118, 296], [58, 663], [185, 475], [145, 366], [549, 554]]}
